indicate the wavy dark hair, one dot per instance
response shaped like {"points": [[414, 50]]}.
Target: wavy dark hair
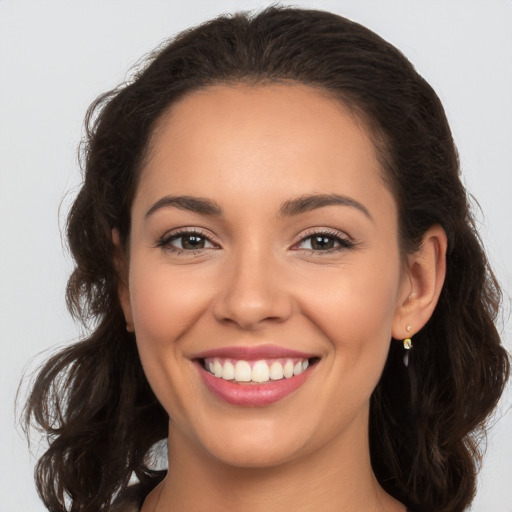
{"points": [[92, 399]]}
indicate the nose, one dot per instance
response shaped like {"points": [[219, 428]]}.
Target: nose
{"points": [[253, 292]]}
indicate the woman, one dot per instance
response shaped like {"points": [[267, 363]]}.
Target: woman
{"points": [[276, 252]]}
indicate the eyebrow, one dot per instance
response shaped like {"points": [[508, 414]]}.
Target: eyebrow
{"points": [[302, 204], [199, 205], [310, 202]]}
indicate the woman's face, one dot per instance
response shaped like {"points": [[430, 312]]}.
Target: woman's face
{"points": [[264, 273]]}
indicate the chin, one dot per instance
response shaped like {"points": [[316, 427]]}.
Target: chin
{"points": [[248, 455], [256, 444]]}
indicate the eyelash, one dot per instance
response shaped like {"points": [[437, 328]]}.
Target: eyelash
{"points": [[167, 239], [343, 242]]}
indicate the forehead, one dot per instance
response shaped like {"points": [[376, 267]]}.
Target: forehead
{"points": [[261, 137], [272, 110]]}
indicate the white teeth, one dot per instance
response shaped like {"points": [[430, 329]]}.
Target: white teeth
{"points": [[276, 371], [217, 368], [260, 372], [288, 369], [228, 372], [257, 371], [242, 371]]}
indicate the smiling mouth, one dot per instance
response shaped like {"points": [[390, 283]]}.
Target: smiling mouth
{"points": [[256, 372]]}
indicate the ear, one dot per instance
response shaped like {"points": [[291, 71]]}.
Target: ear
{"points": [[421, 284], [123, 291]]}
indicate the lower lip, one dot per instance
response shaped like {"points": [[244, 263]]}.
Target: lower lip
{"points": [[249, 394]]}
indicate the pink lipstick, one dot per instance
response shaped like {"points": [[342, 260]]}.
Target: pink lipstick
{"points": [[254, 376]]}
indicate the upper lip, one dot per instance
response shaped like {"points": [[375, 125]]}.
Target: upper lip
{"points": [[253, 353]]}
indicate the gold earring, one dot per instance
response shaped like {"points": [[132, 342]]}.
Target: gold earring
{"points": [[408, 341], [407, 345]]}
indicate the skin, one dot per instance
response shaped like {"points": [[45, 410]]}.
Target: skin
{"points": [[257, 280]]}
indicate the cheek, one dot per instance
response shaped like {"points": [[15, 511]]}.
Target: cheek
{"points": [[164, 303], [355, 312]]}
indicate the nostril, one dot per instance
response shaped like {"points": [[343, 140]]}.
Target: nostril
{"points": [[258, 300]]}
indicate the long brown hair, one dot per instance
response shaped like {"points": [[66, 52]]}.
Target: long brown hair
{"points": [[92, 399]]}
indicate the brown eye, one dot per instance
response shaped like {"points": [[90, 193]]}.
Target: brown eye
{"points": [[185, 241], [322, 243], [192, 241]]}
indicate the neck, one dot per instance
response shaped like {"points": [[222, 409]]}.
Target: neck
{"points": [[337, 477]]}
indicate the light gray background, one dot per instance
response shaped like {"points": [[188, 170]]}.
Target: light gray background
{"points": [[56, 57]]}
